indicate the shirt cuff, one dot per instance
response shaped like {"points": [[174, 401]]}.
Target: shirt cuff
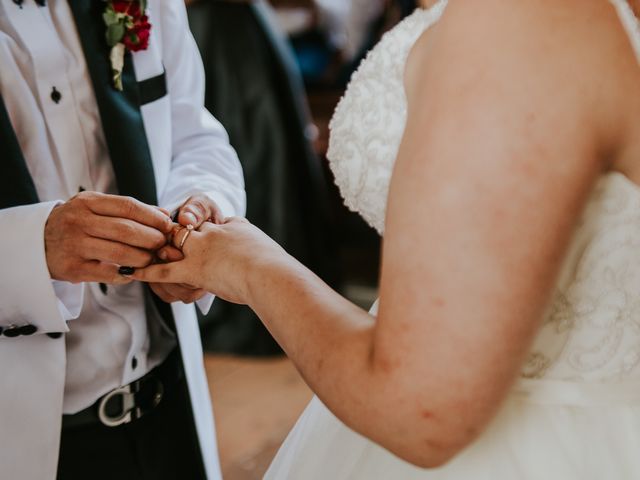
{"points": [[205, 303], [70, 298], [27, 294]]}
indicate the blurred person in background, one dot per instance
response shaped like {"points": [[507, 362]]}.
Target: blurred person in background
{"points": [[496, 145], [330, 37], [255, 90], [349, 23]]}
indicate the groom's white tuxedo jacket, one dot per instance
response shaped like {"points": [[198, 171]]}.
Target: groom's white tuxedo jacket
{"points": [[160, 117]]}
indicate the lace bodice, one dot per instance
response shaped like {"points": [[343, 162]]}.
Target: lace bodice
{"points": [[369, 121], [592, 330]]}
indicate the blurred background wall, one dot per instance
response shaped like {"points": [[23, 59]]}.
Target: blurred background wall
{"points": [[275, 72]]}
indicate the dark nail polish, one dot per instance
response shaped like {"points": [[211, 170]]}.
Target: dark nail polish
{"points": [[126, 271]]}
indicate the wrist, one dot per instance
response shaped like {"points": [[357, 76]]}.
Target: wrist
{"points": [[49, 236], [268, 275]]}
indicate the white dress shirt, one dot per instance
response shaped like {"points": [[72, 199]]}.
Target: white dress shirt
{"points": [[49, 97]]}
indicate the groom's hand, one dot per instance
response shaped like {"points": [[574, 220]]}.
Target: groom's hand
{"points": [[89, 238], [197, 210]]}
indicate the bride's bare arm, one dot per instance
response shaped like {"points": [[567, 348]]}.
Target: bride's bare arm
{"points": [[506, 135]]}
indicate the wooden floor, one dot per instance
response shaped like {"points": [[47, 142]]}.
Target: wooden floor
{"points": [[256, 402]]}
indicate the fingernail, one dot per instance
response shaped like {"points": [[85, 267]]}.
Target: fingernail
{"points": [[162, 255], [126, 271], [191, 218]]}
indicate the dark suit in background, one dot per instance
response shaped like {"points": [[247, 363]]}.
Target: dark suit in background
{"points": [[255, 90]]}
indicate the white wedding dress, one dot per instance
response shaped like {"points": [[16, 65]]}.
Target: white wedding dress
{"points": [[575, 412]]}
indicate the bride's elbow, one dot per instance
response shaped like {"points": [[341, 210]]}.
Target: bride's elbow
{"points": [[426, 453], [433, 439], [428, 460]]}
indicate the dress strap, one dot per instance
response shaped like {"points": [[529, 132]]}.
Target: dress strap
{"points": [[630, 23]]}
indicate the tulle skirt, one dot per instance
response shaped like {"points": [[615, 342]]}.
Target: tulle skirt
{"points": [[534, 437]]}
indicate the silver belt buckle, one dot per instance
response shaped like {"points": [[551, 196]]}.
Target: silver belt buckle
{"points": [[129, 410]]}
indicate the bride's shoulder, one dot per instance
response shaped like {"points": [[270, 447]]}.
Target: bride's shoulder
{"points": [[546, 48], [547, 28]]}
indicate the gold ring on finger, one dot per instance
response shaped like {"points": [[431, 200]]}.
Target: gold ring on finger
{"points": [[188, 229]]}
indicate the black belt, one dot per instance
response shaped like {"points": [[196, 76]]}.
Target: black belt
{"points": [[130, 402]]}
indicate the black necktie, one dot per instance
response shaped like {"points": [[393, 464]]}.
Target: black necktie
{"points": [[119, 110]]}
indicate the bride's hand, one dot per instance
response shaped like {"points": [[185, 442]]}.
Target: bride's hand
{"points": [[222, 259]]}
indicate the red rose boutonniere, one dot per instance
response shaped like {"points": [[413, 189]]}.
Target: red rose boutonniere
{"points": [[128, 29]]}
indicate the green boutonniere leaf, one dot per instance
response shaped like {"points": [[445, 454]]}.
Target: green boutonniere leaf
{"points": [[115, 32], [110, 17]]}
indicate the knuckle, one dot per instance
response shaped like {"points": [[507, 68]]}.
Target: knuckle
{"points": [[127, 230], [129, 205], [81, 197], [164, 272], [85, 198], [61, 216], [124, 231]]}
